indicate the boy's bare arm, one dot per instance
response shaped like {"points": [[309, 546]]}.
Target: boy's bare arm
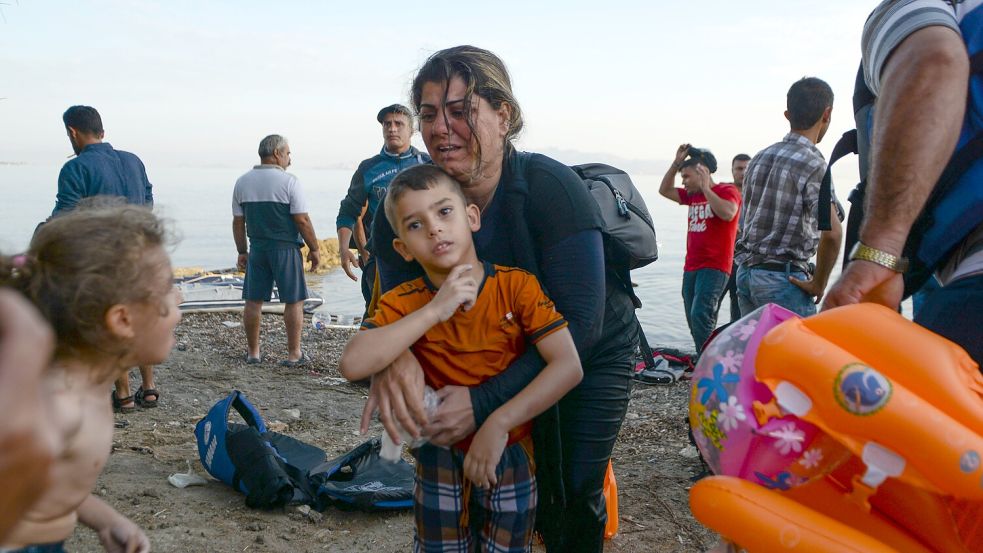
{"points": [[370, 351], [560, 375], [116, 532]]}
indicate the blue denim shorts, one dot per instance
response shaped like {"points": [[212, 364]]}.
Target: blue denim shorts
{"points": [[283, 266]]}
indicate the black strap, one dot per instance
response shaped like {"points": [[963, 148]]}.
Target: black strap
{"points": [[847, 144], [643, 345]]}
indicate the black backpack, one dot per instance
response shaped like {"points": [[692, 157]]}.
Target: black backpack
{"points": [[629, 233], [274, 470]]}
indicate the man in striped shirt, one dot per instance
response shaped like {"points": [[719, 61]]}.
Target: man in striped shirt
{"points": [[779, 233]]}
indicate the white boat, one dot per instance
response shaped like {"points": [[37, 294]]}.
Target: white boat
{"points": [[221, 292]]}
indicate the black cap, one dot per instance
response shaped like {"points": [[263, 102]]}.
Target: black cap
{"points": [[395, 108], [699, 155]]}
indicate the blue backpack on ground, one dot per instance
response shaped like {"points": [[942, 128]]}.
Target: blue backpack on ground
{"points": [[274, 470]]}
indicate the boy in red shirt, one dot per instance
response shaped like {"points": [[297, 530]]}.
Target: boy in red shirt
{"points": [[713, 210], [465, 321]]}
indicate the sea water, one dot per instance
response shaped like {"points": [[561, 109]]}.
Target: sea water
{"points": [[199, 202]]}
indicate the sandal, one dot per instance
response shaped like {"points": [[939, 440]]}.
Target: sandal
{"points": [[124, 405], [141, 397]]}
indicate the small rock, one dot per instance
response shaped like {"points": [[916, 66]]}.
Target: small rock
{"points": [[259, 539], [293, 413], [689, 452], [304, 509], [181, 346], [231, 324], [277, 426], [631, 416], [254, 527]]}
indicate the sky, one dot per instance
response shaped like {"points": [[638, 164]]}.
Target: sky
{"points": [[191, 83]]}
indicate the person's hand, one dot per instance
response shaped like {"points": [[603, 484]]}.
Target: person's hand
{"points": [[459, 290], [241, 261], [810, 286], [704, 174], [454, 418], [397, 393], [363, 258], [347, 259], [123, 536], [681, 153], [485, 453], [863, 281], [314, 256]]}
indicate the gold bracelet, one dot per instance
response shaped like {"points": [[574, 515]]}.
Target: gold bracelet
{"points": [[866, 253]]}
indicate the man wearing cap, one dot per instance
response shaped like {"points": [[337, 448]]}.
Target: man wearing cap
{"points": [[713, 210], [779, 231], [368, 189]]}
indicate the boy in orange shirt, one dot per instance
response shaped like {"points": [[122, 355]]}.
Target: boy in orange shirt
{"points": [[465, 321]]}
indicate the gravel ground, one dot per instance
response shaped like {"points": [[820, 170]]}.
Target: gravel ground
{"points": [[652, 463]]}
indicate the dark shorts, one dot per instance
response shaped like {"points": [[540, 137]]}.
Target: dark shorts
{"points": [[42, 548], [285, 267]]}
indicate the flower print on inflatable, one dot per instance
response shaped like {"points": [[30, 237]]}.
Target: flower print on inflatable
{"points": [[739, 429]]}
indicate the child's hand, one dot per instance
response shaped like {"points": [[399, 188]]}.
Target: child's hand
{"points": [[459, 290], [123, 536], [485, 453]]}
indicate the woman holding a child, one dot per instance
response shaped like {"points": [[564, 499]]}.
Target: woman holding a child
{"points": [[535, 214]]}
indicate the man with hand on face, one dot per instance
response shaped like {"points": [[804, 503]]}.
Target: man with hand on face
{"points": [[710, 235], [368, 190]]}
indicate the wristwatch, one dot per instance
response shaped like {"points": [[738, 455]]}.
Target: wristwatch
{"points": [[882, 258]]}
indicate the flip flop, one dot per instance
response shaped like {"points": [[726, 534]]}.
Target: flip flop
{"points": [[253, 360], [304, 359]]}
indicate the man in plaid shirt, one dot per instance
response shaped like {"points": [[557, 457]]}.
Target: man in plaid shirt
{"points": [[779, 233]]}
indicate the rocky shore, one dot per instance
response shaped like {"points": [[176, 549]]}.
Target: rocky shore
{"points": [[652, 461]]}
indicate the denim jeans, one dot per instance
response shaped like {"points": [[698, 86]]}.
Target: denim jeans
{"points": [[955, 311], [701, 295], [757, 287], [731, 289]]}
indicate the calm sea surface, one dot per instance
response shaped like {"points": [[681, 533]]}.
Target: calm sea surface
{"points": [[199, 203]]}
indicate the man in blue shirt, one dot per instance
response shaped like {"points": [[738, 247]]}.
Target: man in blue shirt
{"points": [[100, 170], [368, 189]]}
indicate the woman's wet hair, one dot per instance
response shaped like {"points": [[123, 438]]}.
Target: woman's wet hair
{"points": [[483, 74], [81, 264]]}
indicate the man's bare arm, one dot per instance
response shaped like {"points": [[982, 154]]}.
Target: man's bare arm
{"points": [[916, 126]]}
